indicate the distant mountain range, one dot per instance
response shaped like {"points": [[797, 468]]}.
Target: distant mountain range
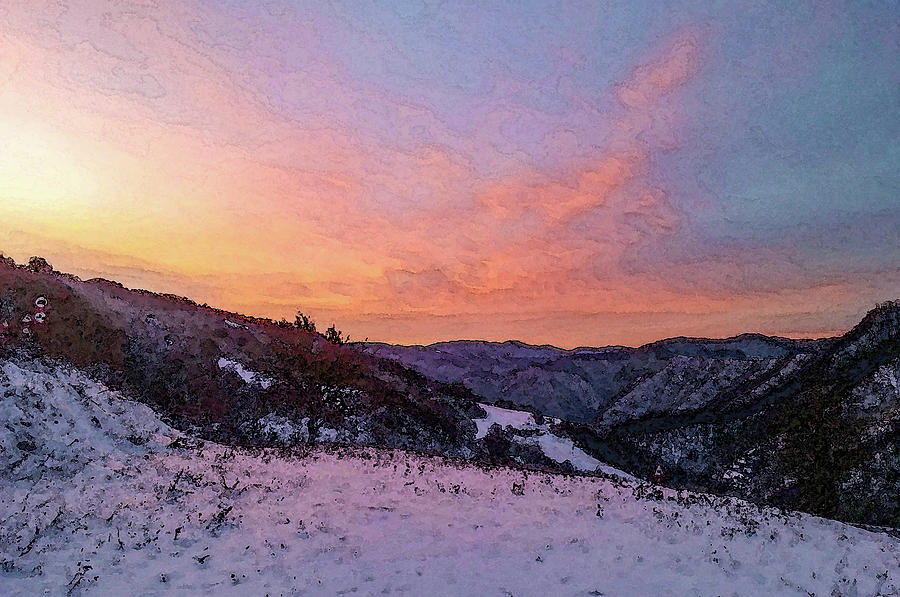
{"points": [[605, 386], [803, 424]]}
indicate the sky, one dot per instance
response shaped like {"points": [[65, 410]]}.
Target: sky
{"points": [[573, 173]]}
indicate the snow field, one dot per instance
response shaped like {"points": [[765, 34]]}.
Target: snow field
{"points": [[128, 506]]}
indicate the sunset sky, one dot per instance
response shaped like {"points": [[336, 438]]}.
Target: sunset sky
{"points": [[574, 173]]}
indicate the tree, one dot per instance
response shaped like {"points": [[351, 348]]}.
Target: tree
{"points": [[335, 336], [39, 265], [303, 322], [332, 334]]}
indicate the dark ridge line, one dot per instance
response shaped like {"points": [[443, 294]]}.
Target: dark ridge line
{"points": [[41, 263]]}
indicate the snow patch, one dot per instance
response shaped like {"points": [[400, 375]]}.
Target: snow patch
{"points": [[327, 434], [284, 430], [554, 447], [250, 377], [235, 325], [505, 418]]}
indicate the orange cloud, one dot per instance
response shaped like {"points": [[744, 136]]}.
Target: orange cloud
{"points": [[155, 154]]}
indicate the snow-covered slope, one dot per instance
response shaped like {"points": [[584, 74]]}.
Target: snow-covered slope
{"points": [[99, 497]]}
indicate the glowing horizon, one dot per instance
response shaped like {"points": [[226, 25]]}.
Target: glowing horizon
{"points": [[572, 175]]}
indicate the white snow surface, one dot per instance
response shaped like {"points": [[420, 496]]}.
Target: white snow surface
{"points": [[100, 497], [284, 430], [553, 446], [235, 325], [250, 377], [505, 417]]}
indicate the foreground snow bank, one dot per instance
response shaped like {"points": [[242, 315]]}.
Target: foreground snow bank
{"points": [[99, 497]]}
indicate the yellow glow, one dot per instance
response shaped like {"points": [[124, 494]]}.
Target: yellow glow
{"points": [[40, 170]]}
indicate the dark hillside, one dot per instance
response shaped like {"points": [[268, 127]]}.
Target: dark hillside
{"points": [[824, 439], [221, 373]]}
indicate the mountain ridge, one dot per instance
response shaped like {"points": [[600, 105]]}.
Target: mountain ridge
{"points": [[699, 407], [243, 380], [826, 410], [602, 348]]}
